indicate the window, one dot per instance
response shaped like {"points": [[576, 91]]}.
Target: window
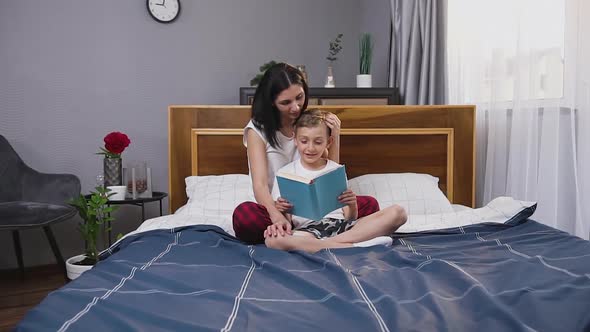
{"points": [[502, 50]]}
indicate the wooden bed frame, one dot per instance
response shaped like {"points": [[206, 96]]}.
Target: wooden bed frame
{"points": [[437, 140]]}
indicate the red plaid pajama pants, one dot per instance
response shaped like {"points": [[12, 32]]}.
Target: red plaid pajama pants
{"points": [[250, 219]]}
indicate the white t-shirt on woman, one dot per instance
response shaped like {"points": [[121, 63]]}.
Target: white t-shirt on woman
{"points": [[277, 157]]}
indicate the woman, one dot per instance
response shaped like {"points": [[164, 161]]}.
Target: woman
{"points": [[281, 96]]}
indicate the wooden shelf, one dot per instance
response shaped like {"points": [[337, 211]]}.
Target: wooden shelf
{"points": [[339, 96]]}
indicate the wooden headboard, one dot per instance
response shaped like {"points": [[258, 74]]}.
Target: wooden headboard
{"points": [[437, 140]]}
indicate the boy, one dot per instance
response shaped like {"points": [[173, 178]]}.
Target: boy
{"points": [[340, 228]]}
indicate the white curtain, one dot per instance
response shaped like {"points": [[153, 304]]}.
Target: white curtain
{"points": [[526, 66]]}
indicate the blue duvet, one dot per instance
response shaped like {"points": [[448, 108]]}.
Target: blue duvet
{"points": [[521, 276]]}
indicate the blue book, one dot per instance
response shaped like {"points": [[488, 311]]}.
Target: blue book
{"points": [[313, 198]]}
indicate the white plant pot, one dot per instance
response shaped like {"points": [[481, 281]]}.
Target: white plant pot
{"points": [[74, 271], [363, 81]]}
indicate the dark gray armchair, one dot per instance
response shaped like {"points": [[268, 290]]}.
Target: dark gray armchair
{"points": [[30, 199]]}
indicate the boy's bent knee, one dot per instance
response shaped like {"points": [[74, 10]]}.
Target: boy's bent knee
{"points": [[270, 242], [402, 215], [398, 214], [276, 242]]}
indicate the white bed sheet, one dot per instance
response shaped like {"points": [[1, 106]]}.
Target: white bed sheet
{"points": [[499, 210]]}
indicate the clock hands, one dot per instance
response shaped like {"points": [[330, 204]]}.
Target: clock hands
{"points": [[167, 14]]}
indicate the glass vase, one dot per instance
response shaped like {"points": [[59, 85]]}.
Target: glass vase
{"points": [[136, 177], [113, 172], [303, 72], [330, 83]]}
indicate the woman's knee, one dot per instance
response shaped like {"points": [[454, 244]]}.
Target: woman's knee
{"points": [[249, 221], [367, 205], [245, 212]]}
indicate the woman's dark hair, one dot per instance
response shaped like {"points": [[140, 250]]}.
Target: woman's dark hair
{"points": [[265, 115]]}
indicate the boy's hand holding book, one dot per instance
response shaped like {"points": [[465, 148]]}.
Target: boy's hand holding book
{"points": [[283, 205], [348, 197]]}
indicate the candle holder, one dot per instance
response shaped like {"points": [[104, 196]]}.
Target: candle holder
{"points": [[138, 179]]}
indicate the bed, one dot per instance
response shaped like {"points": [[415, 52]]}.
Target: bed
{"points": [[452, 267]]}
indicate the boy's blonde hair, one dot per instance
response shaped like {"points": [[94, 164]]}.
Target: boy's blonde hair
{"points": [[312, 118]]}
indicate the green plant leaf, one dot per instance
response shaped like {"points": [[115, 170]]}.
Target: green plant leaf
{"points": [[94, 213], [334, 48], [262, 69], [365, 53]]}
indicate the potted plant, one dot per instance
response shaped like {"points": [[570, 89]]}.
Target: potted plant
{"points": [[95, 213], [263, 69], [333, 51], [363, 80]]}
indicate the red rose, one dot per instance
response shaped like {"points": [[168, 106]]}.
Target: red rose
{"points": [[116, 142]]}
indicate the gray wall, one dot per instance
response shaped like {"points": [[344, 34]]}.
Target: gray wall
{"points": [[71, 71], [375, 18]]}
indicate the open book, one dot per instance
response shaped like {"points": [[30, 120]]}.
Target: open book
{"points": [[313, 198]]}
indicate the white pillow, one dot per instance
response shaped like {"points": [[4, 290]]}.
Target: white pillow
{"points": [[417, 193], [216, 197], [213, 198], [460, 207]]}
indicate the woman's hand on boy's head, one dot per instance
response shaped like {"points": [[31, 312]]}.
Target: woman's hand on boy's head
{"points": [[348, 197], [283, 205], [333, 122]]}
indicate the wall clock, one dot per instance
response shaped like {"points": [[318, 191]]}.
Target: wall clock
{"points": [[164, 11]]}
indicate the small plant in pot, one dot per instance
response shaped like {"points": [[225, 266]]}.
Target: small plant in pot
{"points": [[95, 213], [263, 69], [333, 50], [363, 80]]}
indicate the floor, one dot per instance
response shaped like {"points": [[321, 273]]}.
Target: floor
{"points": [[18, 295]]}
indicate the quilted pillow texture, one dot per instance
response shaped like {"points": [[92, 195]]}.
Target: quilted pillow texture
{"points": [[417, 193]]}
